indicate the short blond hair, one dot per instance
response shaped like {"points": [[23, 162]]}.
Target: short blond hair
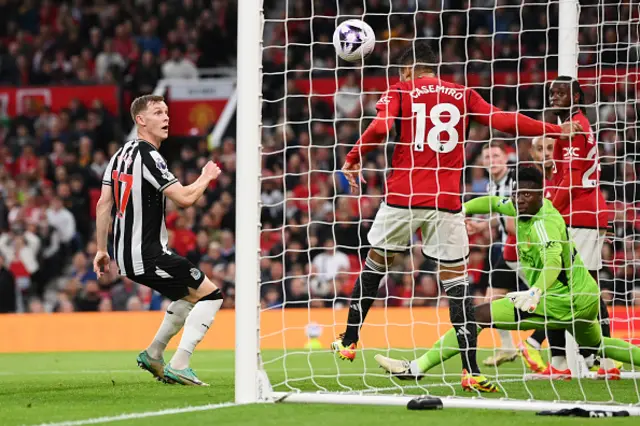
{"points": [[141, 103]]}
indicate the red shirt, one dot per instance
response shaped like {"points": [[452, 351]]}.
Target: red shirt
{"points": [[433, 118], [184, 240], [576, 179], [509, 252]]}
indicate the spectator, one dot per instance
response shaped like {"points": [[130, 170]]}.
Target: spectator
{"points": [[81, 269], [347, 100], [121, 294], [62, 221], [330, 262], [20, 248], [88, 299], [7, 289], [178, 66], [108, 59]]}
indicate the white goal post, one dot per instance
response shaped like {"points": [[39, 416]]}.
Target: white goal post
{"points": [[251, 381]]}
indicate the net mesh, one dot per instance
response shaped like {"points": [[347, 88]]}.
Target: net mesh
{"points": [[314, 232]]}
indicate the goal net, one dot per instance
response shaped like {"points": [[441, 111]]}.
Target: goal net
{"points": [[312, 239]]}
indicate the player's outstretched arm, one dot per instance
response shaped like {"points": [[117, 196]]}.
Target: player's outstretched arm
{"points": [[388, 108], [103, 219], [373, 136], [186, 196], [489, 204], [515, 123]]}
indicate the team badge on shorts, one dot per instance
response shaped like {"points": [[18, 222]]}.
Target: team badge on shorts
{"points": [[195, 273]]}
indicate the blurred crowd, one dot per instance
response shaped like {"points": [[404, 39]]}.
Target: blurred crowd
{"points": [[313, 231]]}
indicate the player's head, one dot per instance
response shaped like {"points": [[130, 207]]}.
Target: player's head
{"points": [[565, 93], [528, 192], [417, 59], [151, 114], [542, 151], [494, 158]]}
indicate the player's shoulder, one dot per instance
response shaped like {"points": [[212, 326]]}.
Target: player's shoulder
{"points": [[580, 117], [551, 217]]}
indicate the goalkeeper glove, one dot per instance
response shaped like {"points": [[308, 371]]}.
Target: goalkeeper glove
{"points": [[526, 301]]}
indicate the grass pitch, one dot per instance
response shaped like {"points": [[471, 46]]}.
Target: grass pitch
{"points": [[67, 387]]}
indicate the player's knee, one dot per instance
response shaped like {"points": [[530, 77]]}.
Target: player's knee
{"points": [[214, 295], [483, 315], [380, 256]]}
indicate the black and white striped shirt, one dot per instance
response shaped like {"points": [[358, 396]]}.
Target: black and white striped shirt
{"points": [[138, 175], [502, 188]]}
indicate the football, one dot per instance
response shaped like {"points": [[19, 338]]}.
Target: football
{"points": [[354, 40]]}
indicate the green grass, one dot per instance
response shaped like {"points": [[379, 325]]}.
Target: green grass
{"points": [[56, 387]]}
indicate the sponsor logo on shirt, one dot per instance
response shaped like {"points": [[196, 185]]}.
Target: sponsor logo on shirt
{"points": [[161, 165], [570, 152], [384, 100]]}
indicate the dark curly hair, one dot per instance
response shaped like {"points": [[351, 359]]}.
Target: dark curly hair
{"points": [[420, 55]]}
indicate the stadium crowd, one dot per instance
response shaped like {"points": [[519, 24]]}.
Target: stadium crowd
{"points": [[314, 232]]}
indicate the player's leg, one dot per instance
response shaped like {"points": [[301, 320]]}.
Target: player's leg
{"points": [[390, 233], [152, 358], [498, 314], [195, 298], [445, 240], [157, 278], [207, 299], [362, 298], [588, 334], [589, 243], [502, 279]]}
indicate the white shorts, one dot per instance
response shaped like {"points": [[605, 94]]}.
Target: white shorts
{"points": [[444, 236], [589, 244], [516, 267]]}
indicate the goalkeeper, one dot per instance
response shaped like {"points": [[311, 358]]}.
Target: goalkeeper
{"points": [[563, 294]]}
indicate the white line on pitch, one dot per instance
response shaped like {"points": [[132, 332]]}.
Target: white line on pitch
{"points": [[133, 416], [134, 370]]}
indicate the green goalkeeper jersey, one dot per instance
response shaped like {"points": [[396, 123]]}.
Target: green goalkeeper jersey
{"points": [[547, 256]]}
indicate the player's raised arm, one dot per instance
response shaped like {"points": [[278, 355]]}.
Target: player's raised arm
{"points": [[513, 122], [185, 196], [489, 204], [388, 107], [156, 172]]}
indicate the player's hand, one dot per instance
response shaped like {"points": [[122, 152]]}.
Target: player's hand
{"points": [[526, 301], [570, 128], [473, 226], [101, 263], [353, 171], [211, 170]]}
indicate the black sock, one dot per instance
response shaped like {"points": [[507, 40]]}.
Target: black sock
{"points": [[539, 336], [557, 342], [605, 323], [462, 318], [362, 297]]}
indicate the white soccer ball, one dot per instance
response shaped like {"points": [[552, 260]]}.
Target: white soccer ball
{"points": [[354, 40]]}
